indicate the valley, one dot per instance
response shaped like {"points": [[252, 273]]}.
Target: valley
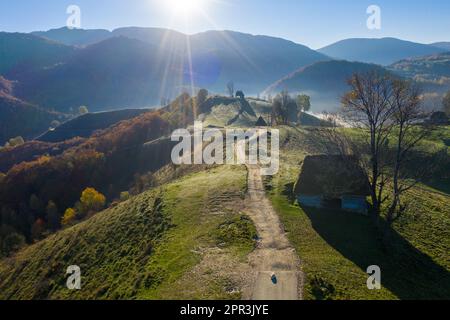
{"points": [[88, 176]]}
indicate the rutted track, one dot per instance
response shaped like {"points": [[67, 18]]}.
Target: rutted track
{"points": [[274, 255]]}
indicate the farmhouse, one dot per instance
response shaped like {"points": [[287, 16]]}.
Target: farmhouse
{"points": [[332, 182]]}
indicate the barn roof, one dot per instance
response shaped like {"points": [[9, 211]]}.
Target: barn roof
{"points": [[332, 176], [261, 122]]}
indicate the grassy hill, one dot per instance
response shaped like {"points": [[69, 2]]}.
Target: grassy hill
{"points": [[84, 126], [176, 242], [337, 247]]}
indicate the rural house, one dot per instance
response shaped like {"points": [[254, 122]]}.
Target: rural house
{"points": [[332, 182]]}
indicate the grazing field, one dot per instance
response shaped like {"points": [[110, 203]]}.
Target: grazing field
{"points": [[337, 247], [185, 240]]}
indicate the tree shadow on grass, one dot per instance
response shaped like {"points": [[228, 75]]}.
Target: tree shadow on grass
{"points": [[405, 271]]}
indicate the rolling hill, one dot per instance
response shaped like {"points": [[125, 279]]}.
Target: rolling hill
{"points": [[19, 118], [431, 72], [20, 52], [174, 242], [85, 125], [116, 73], [136, 67], [442, 45], [383, 51], [432, 68], [74, 37], [325, 82]]}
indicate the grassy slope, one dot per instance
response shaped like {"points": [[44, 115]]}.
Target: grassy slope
{"points": [[336, 248], [147, 247]]}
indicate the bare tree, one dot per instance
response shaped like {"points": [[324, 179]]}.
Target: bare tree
{"points": [[389, 110], [368, 107], [409, 117], [283, 107], [230, 88]]}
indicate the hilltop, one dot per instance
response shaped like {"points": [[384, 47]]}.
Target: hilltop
{"points": [[383, 51]]}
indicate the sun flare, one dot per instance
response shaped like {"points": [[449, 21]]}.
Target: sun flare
{"points": [[185, 7]]}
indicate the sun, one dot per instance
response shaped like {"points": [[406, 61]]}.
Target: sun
{"points": [[185, 7]]}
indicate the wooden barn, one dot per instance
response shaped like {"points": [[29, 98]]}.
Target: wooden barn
{"points": [[335, 182]]}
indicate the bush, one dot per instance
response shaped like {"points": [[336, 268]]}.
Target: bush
{"points": [[237, 231], [69, 217], [12, 243], [124, 196]]}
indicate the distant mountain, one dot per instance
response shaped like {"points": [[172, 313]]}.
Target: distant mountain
{"points": [[383, 51], [74, 37], [218, 57], [116, 73], [325, 82], [442, 45], [143, 65], [21, 52]]}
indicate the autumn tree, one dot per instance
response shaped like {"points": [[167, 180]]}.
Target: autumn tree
{"points": [[53, 218], [68, 217], [14, 142], [83, 110], [446, 103], [37, 230], [92, 201]]}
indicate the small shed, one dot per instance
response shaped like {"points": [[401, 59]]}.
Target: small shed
{"points": [[261, 122], [240, 94], [336, 182]]}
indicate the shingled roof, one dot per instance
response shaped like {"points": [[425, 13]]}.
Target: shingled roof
{"points": [[332, 176]]}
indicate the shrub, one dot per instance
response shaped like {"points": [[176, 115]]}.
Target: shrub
{"points": [[69, 217], [124, 196], [12, 243]]}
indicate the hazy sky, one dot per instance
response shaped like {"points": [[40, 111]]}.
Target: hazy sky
{"points": [[314, 23]]}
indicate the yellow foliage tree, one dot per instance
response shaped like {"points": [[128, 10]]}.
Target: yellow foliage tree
{"points": [[92, 200], [69, 217]]}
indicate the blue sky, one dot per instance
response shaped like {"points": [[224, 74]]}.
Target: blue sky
{"points": [[311, 22]]}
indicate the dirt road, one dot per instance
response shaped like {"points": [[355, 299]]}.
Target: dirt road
{"points": [[274, 254]]}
